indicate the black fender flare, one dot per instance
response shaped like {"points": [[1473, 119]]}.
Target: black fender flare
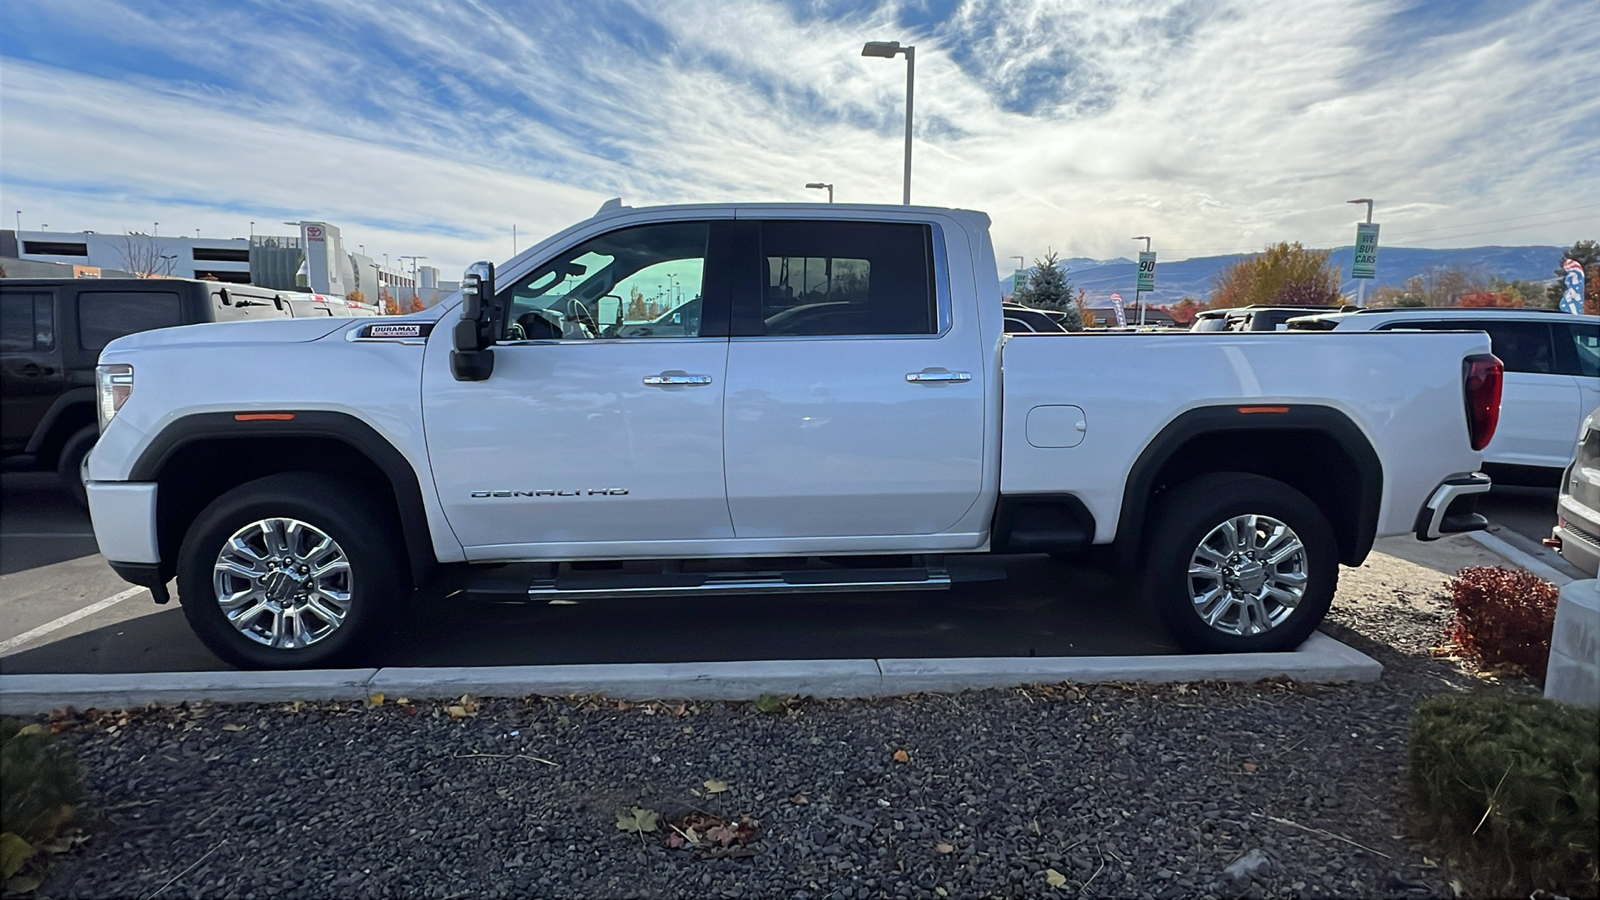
{"points": [[1245, 418], [44, 434], [291, 423]]}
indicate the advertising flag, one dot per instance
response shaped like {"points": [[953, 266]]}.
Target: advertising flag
{"points": [[1366, 261], [1147, 271], [1122, 318], [1572, 283]]}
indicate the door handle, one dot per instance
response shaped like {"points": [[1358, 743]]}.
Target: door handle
{"points": [[671, 379], [938, 377], [31, 370]]}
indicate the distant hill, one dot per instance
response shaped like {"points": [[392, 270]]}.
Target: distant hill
{"points": [[1192, 277]]}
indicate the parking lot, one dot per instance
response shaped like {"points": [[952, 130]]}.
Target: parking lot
{"points": [[50, 570]]}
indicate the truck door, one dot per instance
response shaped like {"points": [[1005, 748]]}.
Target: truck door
{"points": [[32, 375], [602, 421], [855, 405]]}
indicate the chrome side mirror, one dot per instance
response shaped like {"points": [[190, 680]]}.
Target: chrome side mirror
{"points": [[474, 334]]}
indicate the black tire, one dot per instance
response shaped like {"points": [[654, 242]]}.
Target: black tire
{"points": [[70, 462], [342, 510], [1188, 515]]}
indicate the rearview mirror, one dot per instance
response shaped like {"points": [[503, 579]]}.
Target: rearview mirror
{"points": [[472, 360]]}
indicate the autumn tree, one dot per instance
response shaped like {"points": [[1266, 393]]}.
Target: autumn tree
{"points": [[1489, 300], [1184, 311], [1047, 287], [416, 305], [1086, 315], [1283, 274], [355, 296], [386, 300]]}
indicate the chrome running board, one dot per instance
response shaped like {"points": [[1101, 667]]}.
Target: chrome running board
{"points": [[618, 585]]}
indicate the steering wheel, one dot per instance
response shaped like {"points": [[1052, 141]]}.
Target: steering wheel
{"points": [[583, 318]]}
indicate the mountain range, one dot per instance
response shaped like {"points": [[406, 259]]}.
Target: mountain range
{"points": [[1192, 277]]}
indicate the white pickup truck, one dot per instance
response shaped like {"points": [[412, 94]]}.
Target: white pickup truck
{"points": [[755, 398]]}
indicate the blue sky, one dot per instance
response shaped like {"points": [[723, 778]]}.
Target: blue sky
{"points": [[433, 127]]}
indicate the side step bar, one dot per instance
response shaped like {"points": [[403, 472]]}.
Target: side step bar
{"points": [[609, 585]]}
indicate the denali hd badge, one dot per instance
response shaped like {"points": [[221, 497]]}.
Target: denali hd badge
{"points": [[592, 492]]}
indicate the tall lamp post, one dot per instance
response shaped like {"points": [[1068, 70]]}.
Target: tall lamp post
{"points": [[1136, 293], [1361, 283], [818, 185], [889, 50]]}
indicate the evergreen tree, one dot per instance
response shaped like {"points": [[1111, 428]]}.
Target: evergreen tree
{"points": [[1047, 287]]}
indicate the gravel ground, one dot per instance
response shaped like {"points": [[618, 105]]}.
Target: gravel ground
{"points": [[1109, 790]]}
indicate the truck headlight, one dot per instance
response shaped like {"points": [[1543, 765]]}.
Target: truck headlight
{"points": [[114, 384]]}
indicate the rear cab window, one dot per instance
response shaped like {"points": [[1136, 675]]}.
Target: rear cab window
{"points": [[830, 278], [1524, 347], [104, 316]]}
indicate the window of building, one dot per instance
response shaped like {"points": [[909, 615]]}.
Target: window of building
{"points": [[843, 278], [221, 254], [27, 321], [55, 248], [104, 316]]}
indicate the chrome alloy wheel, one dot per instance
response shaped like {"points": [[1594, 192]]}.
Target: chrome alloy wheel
{"points": [[283, 583], [1247, 575]]}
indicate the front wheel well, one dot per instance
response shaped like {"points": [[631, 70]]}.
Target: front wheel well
{"points": [[197, 472]]}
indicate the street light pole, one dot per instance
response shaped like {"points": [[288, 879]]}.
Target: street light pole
{"points": [[889, 50], [819, 185], [1136, 292], [1361, 283]]}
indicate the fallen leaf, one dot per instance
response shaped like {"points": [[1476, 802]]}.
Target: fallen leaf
{"points": [[942, 847], [294, 707], [34, 728], [232, 727], [716, 787], [799, 800], [402, 700], [1055, 879], [14, 853], [901, 756], [638, 820], [675, 840], [769, 704], [376, 699], [941, 892], [456, 712], [22, 884], [1249, 767]]}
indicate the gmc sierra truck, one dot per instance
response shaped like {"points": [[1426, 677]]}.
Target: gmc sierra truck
{"points": [[761, 398]]}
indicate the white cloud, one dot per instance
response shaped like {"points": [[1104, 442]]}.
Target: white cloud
{"points": [[1073, 123]]}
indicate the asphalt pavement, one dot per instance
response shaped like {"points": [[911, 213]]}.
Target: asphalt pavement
{"points": [[49, 569]]}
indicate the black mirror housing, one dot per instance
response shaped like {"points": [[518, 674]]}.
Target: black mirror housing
{"points": [[476, 332]]}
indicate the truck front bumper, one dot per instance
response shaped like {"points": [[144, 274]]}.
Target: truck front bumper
{"points": [[1449, 509]]}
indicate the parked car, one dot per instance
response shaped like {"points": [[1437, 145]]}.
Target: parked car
{"points": [[304, 304], [1256, 318], [1024, 320], [51, 333], [1552, 362], [1577, 532], [842, 412]]}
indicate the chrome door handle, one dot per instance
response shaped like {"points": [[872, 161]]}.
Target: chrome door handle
{"points": [[660, 380], [937, 377]]}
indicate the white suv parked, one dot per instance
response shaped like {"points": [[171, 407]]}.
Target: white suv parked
{"points": [[1577, 531], [1552, 377]]}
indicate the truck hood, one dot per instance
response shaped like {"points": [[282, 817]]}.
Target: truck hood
{"points": [[272, 331]]}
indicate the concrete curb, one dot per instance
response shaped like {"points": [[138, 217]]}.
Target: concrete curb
{"points": [[1505, 550], [1319, 659]]}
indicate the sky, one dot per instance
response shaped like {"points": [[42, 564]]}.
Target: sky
{"points": [[432, 127]]}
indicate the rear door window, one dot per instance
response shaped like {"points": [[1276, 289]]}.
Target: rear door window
{"points": [[1523, 346], [842, 278], [27, 321], [104, 316]]}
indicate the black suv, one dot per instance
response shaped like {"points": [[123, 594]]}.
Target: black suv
{"points": [[51, 333]]}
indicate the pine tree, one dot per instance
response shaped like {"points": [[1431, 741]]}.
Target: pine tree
{"points": [[1047, 287]]}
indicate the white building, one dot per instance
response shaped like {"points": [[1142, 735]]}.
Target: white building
{"points": [[222, 259]]}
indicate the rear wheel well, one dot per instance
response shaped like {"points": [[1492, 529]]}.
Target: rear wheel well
{"points": [[1317, 451], [199, 471]]}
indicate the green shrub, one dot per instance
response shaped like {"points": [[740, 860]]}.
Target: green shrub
{"points": [[39, 792], [1511, 788], [1503, 617]]}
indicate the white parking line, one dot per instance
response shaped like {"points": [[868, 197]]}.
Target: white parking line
{"points": [[6, 646]]}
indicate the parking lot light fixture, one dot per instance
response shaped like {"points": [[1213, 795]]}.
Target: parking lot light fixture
{"points": [[818, 185], [889, 50]]}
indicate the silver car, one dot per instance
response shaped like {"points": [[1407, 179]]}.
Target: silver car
{"points": [[1577, 531]]}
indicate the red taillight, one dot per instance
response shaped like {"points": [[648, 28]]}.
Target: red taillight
{"points": [[1481, 384]]}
